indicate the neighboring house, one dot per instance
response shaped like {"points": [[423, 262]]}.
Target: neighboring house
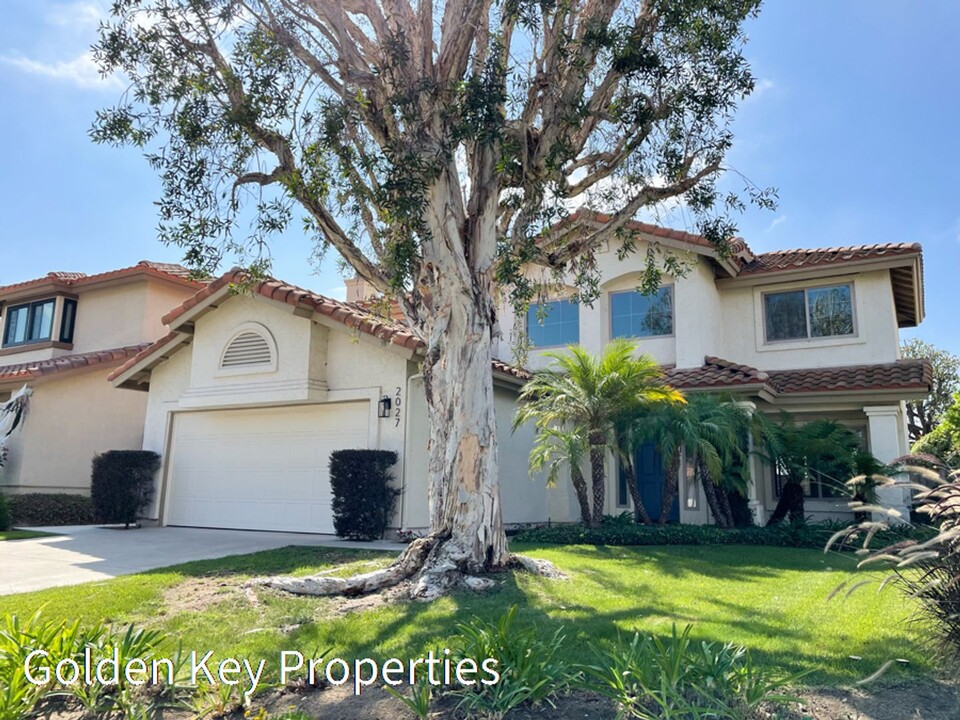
{"points": [[62, 335], [813, 332], [253, 387]]}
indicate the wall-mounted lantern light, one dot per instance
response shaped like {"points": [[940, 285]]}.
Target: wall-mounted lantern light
{"points": [[384, 406]]}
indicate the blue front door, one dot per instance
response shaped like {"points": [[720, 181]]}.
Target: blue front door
{"points": [[650, 480]]}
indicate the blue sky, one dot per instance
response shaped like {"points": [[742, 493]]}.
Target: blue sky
{"points": [[854, 120]]}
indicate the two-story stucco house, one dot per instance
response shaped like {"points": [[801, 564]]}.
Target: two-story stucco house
{"points": [[249, 392], [62, 334], [814, 332]]}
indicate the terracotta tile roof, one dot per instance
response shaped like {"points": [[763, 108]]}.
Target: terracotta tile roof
{"points": [[738, 246], [719, 374], [899, 375], [40, 368], [78, 279], [350, 315], [353, 316], [716, 373], [782, 260]]}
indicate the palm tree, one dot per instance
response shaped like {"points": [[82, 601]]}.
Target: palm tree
{"points": [[709, 429], [588, 396], [797, 451], [555, 449]]}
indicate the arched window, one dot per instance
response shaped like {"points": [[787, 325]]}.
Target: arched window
{"points": [[250, 349]]}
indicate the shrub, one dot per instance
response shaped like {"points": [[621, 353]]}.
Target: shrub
{"points": [[363, 499], [530, 671], [800, 534], [4, 513], [50, 509], [19, 698], [652, 678], [926, 570], [122, 484]]}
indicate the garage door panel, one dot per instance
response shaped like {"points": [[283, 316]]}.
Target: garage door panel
{"points": [[264, 469]]}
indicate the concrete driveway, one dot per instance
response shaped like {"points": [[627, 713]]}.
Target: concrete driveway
{"points": [[85, 553]]}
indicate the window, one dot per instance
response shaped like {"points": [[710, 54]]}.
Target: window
{"points": [[554, 323], [29, 323], [828, 480], [68, 320], [809, 313], [633, 314]]}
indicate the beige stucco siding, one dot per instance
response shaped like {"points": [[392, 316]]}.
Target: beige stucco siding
{"points": [[70, 419], [316, 363], [876, 339], [524, 499]]}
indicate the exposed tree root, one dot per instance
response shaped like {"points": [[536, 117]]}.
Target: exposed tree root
{"points": [[438, 564]]}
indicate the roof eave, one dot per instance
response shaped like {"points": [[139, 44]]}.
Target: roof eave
{"points": [[846, 267]]}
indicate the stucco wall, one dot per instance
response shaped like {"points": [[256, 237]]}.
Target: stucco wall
{"points": [[317, 363], [524, 499], [726, 320], [876, 339], [70, 419]]}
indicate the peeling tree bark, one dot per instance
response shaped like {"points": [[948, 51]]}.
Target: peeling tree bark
{"points": [[466, 522]]}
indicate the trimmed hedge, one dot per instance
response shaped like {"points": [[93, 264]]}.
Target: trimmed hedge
{"points": [[800, 535], [50, 509], [122, 484], [4, 513], [363, 499]]}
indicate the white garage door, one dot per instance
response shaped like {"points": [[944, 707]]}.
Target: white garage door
{"points": [[261, 469]]}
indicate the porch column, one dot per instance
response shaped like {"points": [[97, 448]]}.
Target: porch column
{"points": [[754, 501], [885, 423]]}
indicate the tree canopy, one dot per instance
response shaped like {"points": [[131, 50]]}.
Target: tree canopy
{"points": [[923, 416], [440, 148], [354, 112]]}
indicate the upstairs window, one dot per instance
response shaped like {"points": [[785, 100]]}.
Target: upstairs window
{"points": [[809, 313], [633, 314], [553, 324], [68, 320], [29, 323]]}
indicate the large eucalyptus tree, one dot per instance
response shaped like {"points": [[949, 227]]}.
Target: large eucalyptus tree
{"points": [[430, 144]]}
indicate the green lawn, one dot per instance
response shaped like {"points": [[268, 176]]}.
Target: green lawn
{"points": [[772, 600], [20, 534]]}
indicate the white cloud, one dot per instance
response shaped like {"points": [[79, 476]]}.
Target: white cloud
{"points": [[763, 85], [81, 71], [776, 221]]}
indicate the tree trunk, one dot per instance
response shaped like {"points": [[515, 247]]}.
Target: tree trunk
{"points": [[710, 492], [671, 485], [598, 476], [456, 321], [790, 504], [724, 502], [640, 514], [580, 486]]}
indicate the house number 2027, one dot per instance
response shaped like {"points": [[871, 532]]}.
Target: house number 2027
{"points": [[396, 404]]}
